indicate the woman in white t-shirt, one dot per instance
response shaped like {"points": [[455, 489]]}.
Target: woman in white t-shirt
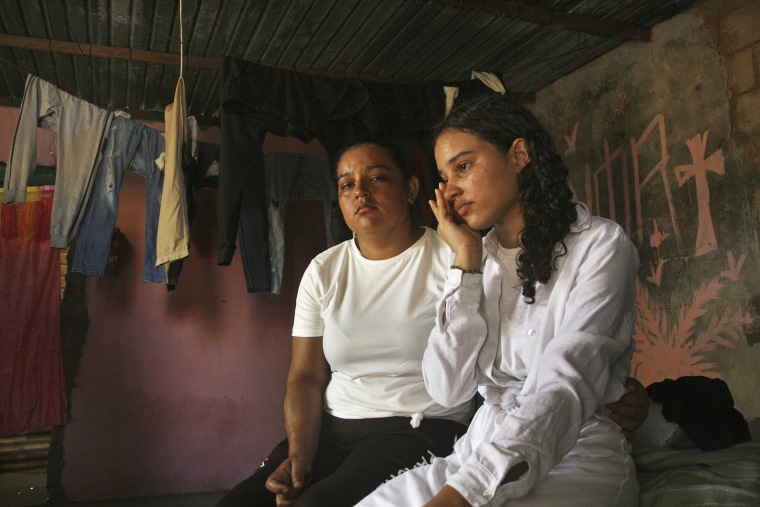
{"points": [[356, 408]]}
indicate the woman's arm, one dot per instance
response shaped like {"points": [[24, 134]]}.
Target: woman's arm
{"points": [[449, 366], [308, 377], [450, 362]]}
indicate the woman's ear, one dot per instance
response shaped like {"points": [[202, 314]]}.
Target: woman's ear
{"points": [[414, 188], [520, 153]]}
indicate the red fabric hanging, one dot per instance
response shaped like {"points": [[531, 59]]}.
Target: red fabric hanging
{"points": [[32, 384]]}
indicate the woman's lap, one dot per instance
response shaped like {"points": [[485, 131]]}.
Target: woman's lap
{"points": [[251, 492], [354, 457], [374, 455], [597, 471]]}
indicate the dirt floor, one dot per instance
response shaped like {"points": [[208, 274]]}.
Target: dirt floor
{"points": [[27, 489]]}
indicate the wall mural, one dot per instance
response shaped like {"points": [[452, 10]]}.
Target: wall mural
{"points": [[681, 324]]}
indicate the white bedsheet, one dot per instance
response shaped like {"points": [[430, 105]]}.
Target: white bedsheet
{"points": [[727, 477]]}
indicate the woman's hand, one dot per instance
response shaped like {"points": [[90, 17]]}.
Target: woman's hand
{"points": [[630, 411], [287, 481], [465, 242], [448, 497]]}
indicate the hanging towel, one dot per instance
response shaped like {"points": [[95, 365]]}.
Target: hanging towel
{"points": [[173, 240], [487, 78], [32, 385], [490, 80]]}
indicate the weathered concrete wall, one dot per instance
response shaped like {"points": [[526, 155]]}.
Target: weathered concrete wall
{"points": [[662, 136]]}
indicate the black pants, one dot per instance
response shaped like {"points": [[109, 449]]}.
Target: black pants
{"points": [[354, 457]]}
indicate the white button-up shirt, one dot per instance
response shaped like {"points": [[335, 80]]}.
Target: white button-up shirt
{"points": [[575, 361]]}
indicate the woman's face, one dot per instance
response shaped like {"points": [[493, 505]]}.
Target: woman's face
{"points": [[373, 193], [481, 180]]}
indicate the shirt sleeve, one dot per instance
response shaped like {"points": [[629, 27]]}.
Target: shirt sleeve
{"points": [[449, 365], [568, 382], [307, 321], [23, 154]]}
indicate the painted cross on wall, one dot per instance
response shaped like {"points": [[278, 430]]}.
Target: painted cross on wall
{"points": [[672, 340]]}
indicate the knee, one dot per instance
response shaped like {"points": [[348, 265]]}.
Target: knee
{"points": [[316, 497], [250, 493], [226, 501]]}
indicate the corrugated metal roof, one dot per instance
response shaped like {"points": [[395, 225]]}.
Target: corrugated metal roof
{"points": [[528, 44]]}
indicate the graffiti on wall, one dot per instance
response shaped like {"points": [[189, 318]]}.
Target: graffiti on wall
{"points": [[670, 342]]}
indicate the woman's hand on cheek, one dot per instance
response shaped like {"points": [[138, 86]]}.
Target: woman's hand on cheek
{"points": [[465, 242]]}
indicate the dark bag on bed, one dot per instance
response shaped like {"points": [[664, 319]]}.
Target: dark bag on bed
{"points": [[704, 408]]}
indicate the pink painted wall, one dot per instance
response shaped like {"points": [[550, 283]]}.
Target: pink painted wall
{"points": [[180, 391]]}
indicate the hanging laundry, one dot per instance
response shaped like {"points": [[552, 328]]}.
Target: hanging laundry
{"points": [[129, 146], [32, 384], [297, 177], [173, 242], [257, 99], [194, 154], [80, 128], [489, 79]]}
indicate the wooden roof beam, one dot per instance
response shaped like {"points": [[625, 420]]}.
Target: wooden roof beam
{"points": [[84, 49], [139, 55]]}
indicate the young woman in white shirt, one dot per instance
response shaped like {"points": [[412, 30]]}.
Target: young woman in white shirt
{"points": [[537, 316]]}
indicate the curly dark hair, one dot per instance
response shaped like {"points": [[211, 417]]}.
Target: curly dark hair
{"points": [[545, 197]]}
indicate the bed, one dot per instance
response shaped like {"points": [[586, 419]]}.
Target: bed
{"points": [[674, 471], [725, 477]]}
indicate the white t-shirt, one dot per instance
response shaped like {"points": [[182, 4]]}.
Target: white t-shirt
{"points": [[375, 317]]}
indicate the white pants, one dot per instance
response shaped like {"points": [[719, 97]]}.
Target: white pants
{"points": [[597, 472]]}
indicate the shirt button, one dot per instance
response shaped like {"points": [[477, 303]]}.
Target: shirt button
{"points": [[531, 332], [487, 494]]}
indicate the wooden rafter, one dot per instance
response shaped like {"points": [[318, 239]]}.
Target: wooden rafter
{"points": [[83, 49]]}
